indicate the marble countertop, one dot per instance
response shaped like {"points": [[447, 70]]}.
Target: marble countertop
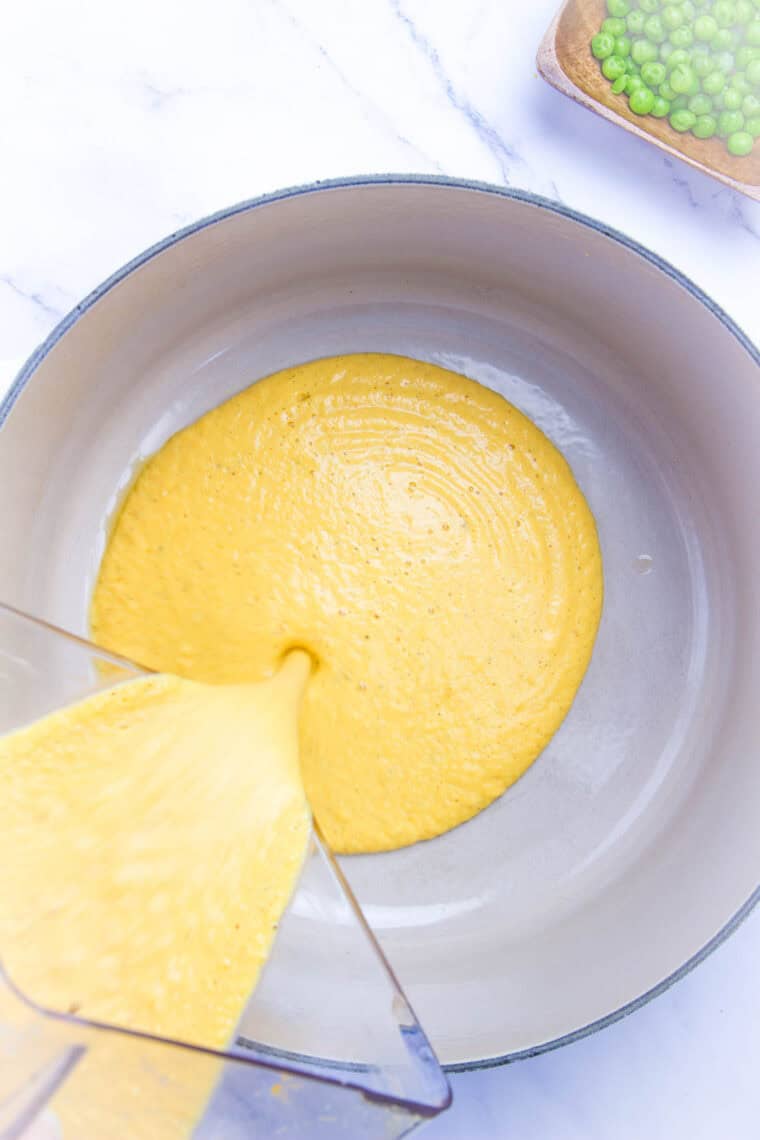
{"points": [[125, 122]]}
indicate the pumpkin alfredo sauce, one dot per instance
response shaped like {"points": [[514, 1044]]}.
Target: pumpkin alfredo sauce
{"points": [[412, 530], [429, 548], [152, 836]]}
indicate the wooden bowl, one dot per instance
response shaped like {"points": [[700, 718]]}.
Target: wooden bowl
{"points": [[565, 60]]}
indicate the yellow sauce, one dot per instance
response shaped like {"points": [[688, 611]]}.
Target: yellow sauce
{"points": [[418, 534], [152, 836], [431, 549], [151, 839]]}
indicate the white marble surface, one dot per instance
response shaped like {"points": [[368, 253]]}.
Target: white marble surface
{"points": [[122, 122]]}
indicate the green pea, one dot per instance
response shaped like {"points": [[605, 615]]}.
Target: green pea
{"points": [[724, 61], [642, 51], [654, 29], [641, 101], [739, 83], [705, 126], [672, 16], [653, 74], [723, 40], [724, 12], [714, 83], [701, 62], [700, 104], [705, 27], [745, 56], [677, 58], [739, 143], [613, 67], [696, 62], [682, 79], [682, 120], [729, 122], [682, 37], [602, 45], [738, 79], [614, 26]]}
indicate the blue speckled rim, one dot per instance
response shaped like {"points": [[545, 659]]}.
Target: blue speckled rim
{"points": [[34, 361]]}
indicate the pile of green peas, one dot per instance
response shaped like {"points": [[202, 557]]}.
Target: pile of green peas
{"points": [[695, 62]]}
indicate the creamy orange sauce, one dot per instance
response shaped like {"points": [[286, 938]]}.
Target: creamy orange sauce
{"points": [[431, 549], [151, 839], [417, 534], [152, 836]]}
